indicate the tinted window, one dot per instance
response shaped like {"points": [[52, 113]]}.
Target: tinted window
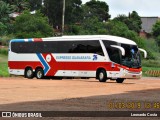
{"points": [[132, 56], [81, 47], [114, 53], [57, 47], [34, 47]]}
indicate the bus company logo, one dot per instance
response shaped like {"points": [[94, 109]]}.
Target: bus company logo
{"points": [[48, 58], [6, 114], [95, 57]]}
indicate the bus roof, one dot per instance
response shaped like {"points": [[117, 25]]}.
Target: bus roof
{"points": [[86, 37], [93, 37]]}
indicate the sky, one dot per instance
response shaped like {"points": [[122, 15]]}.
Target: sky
{"points": [[144, 8]]}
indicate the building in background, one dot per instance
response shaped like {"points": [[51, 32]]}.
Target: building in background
{"points": [[147, 25]]}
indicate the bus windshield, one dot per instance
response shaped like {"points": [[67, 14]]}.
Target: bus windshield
{"points": [[132, 56]]}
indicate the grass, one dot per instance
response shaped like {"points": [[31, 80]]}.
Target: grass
{"points": [[3, 66], [151, 63]]}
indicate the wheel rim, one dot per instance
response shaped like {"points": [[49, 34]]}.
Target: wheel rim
{"points": [[39, 74], [101, 75], [29, 73]]}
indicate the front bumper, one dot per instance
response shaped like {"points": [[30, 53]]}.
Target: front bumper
{"points": [[132, 75]]}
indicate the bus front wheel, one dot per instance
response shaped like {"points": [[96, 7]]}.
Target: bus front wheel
{"points": [[39, 73], [102, 75], [120, 80], [29, 73]]}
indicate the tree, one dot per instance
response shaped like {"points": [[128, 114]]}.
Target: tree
{"points": [[156, 29], [32, 26], [158, 41], [156, 32], [92, 25], [89, 26], [97, 8], [53, 9], [35, 4], [8, 1], [73, 11], [118, 28], [20, 5], [122, 18], [3, 29], [133, 21], [5, 10]]}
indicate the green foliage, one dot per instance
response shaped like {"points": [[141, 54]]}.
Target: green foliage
{"points": [[35, 4], [5, 10], [3, 29], [32, 26], [152, 45], [92, 25], [20, 5], [73, 30], [73, 12], [53, 9], [158, 41], [3, 51], [89, 26], [151, 63], [118, 28], [156, 32], [97, 9], [4, 70], [156, 29], [102, 31], [133, 21], [3, 66], [5, 39], [152, 49]]}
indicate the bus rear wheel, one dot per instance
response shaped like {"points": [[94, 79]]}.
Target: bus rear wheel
{"points": [[102, 76], [120, 80], [39, 73], [29, 73]]}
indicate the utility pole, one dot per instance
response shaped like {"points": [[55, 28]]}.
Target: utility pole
{"points": [[63, 15]]}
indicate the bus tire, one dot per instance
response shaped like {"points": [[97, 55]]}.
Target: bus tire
{"points": [[120, 80], [39, 73], [29, 73], [102, 75]]}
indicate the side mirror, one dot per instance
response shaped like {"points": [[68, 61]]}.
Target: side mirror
{"points": [[142, 50], [120, 48]]}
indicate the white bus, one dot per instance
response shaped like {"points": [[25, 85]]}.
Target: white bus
{"points": [[100, 56]]}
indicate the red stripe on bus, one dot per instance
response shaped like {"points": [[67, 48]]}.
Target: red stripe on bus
{"points": [[23, 64], [131, 69], [37, 39], [55, 66]]}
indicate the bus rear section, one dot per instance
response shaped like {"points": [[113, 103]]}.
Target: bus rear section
{"points": [[97, 57]]}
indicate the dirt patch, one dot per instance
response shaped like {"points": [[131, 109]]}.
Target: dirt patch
{"points": [[20, 94]]}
